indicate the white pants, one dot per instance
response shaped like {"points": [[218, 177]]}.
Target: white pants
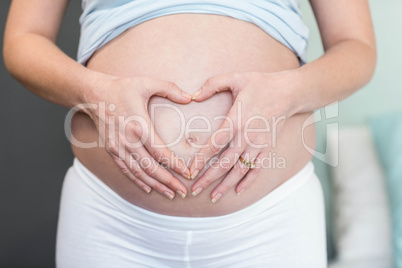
{"points": [[98, 228]]}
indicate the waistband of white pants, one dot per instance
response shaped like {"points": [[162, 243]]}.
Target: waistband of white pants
{"points": [[195, 223]]}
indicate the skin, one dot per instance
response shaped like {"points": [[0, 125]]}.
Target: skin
{"points": [[349, 44], [293, 92], [191, 53]]}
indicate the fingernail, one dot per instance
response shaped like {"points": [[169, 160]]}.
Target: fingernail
{"points": [[187, 95], [197, 191], [181, 194], [216, 198], [195, 173], [146, 189], [196, 94], [168, 195], [241, 190], [187, 175]]}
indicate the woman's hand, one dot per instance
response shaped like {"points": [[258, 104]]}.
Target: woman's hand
{"points": [[262, 102], [127, 132]]}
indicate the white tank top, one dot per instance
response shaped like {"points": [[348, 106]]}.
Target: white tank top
{"points": [[103, 20]]}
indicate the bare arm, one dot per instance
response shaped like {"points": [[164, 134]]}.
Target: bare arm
{"points": [[347, 65], [349, 59], [31, 56]]}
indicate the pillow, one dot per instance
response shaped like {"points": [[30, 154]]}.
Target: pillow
{"points": [[387, 133], [362, 225]]}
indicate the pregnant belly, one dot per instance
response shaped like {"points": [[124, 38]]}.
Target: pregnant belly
{"points": [[187, 49]]}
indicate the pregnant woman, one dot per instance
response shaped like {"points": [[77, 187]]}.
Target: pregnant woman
{"points": [[189, 125]]}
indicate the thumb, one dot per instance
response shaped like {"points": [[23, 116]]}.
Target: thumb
{"points": [[169, 90], [215, 84]]}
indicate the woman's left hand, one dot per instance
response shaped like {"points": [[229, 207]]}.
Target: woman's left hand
{"points": [[262, 103]]}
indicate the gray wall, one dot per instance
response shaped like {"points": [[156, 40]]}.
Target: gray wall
{"points": [[34, 156]]}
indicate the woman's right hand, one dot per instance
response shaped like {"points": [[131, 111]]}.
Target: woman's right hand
{"points": [[128, 135]]}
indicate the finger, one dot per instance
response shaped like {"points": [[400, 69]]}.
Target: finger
{"points": [[250, 176], [144, 132], [135, 169], [167, 90], [216, 143], [224, 164], [123, 167], [215, 84], [163, 155], [130, 167], [132, 170], [154, 170], [238, 171]]}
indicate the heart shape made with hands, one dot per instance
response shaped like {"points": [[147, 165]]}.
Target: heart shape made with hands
{"points": [[227, 129], [200, 114], [187, 128]]}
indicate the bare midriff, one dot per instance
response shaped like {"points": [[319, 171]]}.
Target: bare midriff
{"points": [[187, 49]]}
